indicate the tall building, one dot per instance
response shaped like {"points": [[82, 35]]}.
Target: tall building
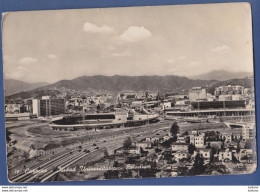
{"points": [[229, 90], [36, 107], [197, 93], [48, 106]]}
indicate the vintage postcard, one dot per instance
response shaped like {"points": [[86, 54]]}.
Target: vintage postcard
{"points": [[125, 93]]}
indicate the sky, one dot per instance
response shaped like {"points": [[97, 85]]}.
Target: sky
{"points": [[183, 40]]}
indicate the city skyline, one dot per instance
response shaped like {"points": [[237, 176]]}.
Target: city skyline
{"points": [[56, 45]]}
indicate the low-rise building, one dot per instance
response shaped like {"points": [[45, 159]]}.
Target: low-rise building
{"points": [[166, 105], [181, 139], [181, 155], [131, 150], [166, 138], [248, 131], [155, 139], [197, 140], [205, 154], [245, 153], [215, 144], [224, 155], [227, 137], [144, 145], [180, 147], [236, 136], [14, 108]]}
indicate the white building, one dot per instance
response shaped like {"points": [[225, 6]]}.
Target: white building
{"points": [[181, 155], [197, 93], [225, 155], [166, 105], [225, 98], [237, 97], [248, 131], [197, 140], [180, 147], [205, 153], [36, 107]]}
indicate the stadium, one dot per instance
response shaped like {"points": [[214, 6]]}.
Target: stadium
{"points": [[102, 121]]}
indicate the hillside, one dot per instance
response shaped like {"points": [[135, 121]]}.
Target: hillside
{"points": [[222, 75], [135, 83], [12, 86], [246, 82]]}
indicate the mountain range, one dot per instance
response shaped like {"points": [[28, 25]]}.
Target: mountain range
{"points": [[136, 83], [221, 75], [12, 86], [117, 83]]}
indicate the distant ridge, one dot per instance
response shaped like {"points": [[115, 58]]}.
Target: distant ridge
{"points": [[246, 82], [12, 86], [221, 75], [136, 83]]}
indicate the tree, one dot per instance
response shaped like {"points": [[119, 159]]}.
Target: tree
{"points": [[168, 157], [149, 172], [191, 148], [174, 129], [32, 147], [198, 166], [105, 152], [127, 143], [142, 151], [185, 133], [157, 150], [83, 97], [126, 173], [8, 138], [111, 174], [238, 147], [234, 159], [116, 164], [14, 142], [182, 171]]}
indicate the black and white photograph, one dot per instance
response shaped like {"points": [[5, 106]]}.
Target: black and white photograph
{"points": [[129, 92]]}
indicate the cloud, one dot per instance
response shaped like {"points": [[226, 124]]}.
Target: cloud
{"points": [[192, 63], [93, 28], [170, 61], [52, 56], [122, 54], [23, 69], [220, 48], [135, 33], [111, 48], [181, 58], [27, 60], [19, 73]]}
